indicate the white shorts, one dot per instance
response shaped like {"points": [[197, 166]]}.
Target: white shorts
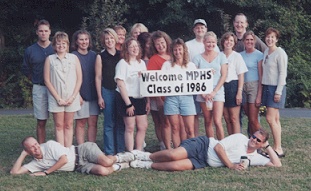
{"points": [[40, 102], [88, 108]]}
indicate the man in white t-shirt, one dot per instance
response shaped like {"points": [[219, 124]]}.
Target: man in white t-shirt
{"points": [[202, 151], [52, 156]]}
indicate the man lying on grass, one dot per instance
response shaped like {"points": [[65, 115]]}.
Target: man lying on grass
{"points": [[52, 156], [202, 151]]}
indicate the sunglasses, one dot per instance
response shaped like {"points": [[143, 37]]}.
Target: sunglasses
{"points": [[257, 139]]}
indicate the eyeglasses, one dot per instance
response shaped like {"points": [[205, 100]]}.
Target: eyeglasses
{"points": [[257, 139]]}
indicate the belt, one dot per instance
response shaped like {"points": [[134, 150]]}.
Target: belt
{"points": [[77, 158], [39, 84]]}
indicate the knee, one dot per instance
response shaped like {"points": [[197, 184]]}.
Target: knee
{"points": [[102, 171]]}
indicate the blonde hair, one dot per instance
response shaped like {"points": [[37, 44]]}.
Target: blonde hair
{"points": [[108, 31], [59, 35], [125, 48], [141, 26], [208, 34]]}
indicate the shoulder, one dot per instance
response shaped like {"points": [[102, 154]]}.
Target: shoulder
{"points": [[191, 66]]}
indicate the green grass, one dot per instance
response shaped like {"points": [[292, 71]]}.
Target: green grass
{"points": [[293, 175]]}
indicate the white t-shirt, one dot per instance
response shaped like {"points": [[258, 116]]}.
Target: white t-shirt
{"points": [[51, 152], [129, 73], [235, 146], [236, 66], [167, 66], [195, 48]]}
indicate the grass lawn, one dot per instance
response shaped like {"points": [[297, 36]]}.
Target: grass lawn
{"points": [[295, 174]]}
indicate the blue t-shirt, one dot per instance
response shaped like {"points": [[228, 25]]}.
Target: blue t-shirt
{"points": [[88, 88], [201, 63], [251, 61], [33, 62]]}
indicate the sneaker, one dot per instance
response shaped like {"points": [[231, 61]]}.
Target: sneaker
{"points": [[141, 164], [140, 155], [125, 157], [145, 144]]}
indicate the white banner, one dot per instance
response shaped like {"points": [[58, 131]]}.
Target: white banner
{"points": [[155, 83]]}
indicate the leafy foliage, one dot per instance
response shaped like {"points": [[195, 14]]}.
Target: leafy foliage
{"points": [[103, 14]]}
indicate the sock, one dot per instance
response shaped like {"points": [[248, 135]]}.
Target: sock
{"points": [[116, 167]]}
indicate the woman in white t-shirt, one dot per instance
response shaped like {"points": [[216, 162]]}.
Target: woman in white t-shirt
{"points": [[182, 105], [233, 84], [134, 107]]}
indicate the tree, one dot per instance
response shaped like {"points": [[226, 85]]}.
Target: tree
{"points": [[103, 14]]}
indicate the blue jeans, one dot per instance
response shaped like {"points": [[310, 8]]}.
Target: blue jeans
{"points": [[109, 120], [113, 124]]}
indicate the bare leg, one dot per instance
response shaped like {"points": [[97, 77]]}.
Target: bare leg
{"points": [[101, 171], [80, 131], [253, 118], [207, 120], [234, 116], [157, 125], [184, 164], [217, 116], [182, 129], [189, 125], [129, 132], [142, 124], [59, 127], [41, 132], [196, 125], [174, 121], [176, 154], [273, 119], [68, 128], [92, 128], [227, 119]]}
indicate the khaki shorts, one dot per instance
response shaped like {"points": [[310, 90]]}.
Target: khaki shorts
{"points": [[55, 108], [40, 102], [88, 108], [88, 156], [250, 91]]}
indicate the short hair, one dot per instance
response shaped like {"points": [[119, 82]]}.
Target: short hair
{"points": [[264, 133], [208, 34], [160, 34], [180, 42], [75, 37], [59, 35], [143, 38], [125, 48], [119, 27], [225, 37], [43, 22], [108, 31], [25, 140], [142, 27], [247, 33], [273, 30], [241, 14]]}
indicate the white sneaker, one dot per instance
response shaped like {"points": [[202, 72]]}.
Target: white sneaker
{"points": [[140, 155], [125, 157], [145, 144], [141, 164]]}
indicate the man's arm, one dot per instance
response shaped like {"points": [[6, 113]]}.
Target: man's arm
{"points": [[61, 162], [274, 159], [220, 151], [17, 167]]}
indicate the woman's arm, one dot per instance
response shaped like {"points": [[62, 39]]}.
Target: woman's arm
{"points": [[221, 81], [98, 81], [240, 89]]}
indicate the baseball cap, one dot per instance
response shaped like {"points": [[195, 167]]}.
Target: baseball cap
{"points": [[201, 21]]}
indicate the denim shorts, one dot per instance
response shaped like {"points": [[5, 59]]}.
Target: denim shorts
{"points": [[197, 149], [268, 97], [183, 105], [231, 89], [138, 103]]}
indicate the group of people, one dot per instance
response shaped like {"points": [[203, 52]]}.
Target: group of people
{"points": [[76, 86]]}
